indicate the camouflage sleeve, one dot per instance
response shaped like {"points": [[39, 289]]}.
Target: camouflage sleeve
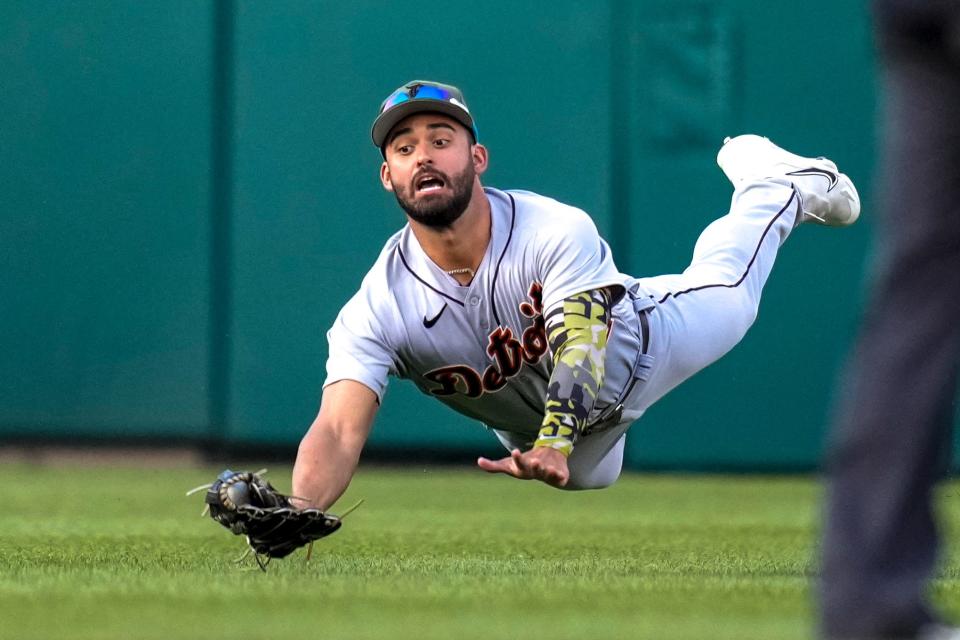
{"points": [[577, 330]]}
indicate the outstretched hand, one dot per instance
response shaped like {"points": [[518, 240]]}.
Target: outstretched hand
{"points": [[541, 463]]}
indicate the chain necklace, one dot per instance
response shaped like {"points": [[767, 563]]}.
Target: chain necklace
{"points": [[454, 272]]}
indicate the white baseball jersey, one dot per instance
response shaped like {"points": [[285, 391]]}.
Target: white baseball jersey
{"points": [[482, 348]]}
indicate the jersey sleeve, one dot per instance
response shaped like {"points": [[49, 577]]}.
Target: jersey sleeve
{"points": [[573, 258], [359, 348]]}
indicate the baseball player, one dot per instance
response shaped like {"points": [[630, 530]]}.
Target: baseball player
{"points": [[507, 305]]}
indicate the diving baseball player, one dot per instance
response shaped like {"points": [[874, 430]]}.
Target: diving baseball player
{"points": [[508, 307]]}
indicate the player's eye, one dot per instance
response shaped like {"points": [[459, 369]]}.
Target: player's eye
{"points": [[405, 149], [441, 142]]}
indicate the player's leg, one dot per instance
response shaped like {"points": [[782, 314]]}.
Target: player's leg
{"points": [[596, 460], [705, 311]]}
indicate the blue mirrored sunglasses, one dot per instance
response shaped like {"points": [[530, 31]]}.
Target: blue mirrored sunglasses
{"points": [[424, 91]]}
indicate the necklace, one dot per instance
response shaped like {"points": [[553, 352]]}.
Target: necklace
{"points": [[454, 272]]}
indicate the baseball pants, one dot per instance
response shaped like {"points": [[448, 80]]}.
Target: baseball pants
{"points": [[700, 314]]}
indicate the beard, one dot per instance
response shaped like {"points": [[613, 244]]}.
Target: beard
{"points": [[439, 211]]}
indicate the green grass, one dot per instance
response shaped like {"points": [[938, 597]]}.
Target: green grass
{"points": [[117, 553]]}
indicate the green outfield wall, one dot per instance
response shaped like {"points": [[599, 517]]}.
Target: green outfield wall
{"points": [[189, 195]]}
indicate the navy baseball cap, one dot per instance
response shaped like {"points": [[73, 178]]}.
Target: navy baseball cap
{"points": [[421, 96]]}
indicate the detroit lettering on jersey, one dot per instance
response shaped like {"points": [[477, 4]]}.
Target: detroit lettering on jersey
{"points": [[482, 348], [509, 355]]}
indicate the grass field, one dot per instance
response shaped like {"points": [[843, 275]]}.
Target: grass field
{"points": [[433, 553]]}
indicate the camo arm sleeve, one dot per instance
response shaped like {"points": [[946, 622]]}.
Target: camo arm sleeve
{"points": [[577, 330]]}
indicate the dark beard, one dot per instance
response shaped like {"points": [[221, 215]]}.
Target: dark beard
{"points": [[440, 212]]}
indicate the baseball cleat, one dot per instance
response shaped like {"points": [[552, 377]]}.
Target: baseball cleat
{"points": [[827, 196]]}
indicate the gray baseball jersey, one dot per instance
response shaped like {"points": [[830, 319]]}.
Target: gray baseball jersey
{"points": [[482, 348]]}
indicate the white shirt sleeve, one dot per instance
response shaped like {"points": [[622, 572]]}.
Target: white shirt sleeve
{"points": [[572, 257], [359, 348]]}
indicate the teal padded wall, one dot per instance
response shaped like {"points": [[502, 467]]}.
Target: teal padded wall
{"points": [[698, 71], [190, 195], [104, 202]]}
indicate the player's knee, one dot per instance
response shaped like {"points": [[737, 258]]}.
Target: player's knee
{"points": [[587, 486], [596, 463], [748, 317], [599, 478], [742, 317]]}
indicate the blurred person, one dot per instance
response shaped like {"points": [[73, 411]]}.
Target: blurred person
{"points": [[507, 305], [893, 427]]}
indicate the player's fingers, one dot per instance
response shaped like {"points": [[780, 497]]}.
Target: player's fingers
{"points": [[520, 464], [545, 473], [493, 466], [556, 477], [536, 469], [504, 465]]}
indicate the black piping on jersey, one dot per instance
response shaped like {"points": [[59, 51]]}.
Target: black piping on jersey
{"points": [[493, 302], [609, 410], [493, 285], [756, 251], [424, 282]]}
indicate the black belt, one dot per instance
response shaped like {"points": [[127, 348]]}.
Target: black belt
{"points": [[613, 417], [645, 330]]}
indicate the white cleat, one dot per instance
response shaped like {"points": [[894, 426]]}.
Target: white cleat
{"points": [[827, 196]]}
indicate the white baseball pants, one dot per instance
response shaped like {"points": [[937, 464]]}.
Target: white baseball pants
{"points": [[700, 315]]}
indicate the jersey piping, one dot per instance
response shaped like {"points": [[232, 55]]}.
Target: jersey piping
{"points": [[403, 259], [753, 259], [493, 284]]}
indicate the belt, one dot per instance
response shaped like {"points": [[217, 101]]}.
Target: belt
{"points": [[644, 331], [641, 369]]}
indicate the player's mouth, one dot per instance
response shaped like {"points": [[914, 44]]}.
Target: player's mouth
{"points": [[428, 183]]}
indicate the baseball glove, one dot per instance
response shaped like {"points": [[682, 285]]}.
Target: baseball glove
{"points": [[248, 505]]}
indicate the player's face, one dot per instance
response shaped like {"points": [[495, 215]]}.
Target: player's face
{"points": [[431, 166]]}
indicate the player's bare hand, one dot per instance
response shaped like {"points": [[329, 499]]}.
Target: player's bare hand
{"points": [[541, 463]]}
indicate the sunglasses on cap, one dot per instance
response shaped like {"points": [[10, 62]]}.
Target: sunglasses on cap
{"points": [[421, 92], [421, 97]]}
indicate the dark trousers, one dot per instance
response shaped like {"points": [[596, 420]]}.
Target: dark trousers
{"points": [[892, 436]]}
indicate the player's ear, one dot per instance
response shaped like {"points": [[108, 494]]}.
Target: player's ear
{"points": [[481, 158], [385, 176]]}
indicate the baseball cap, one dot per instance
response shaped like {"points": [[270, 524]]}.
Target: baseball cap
{"points": [[421, 96]]}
